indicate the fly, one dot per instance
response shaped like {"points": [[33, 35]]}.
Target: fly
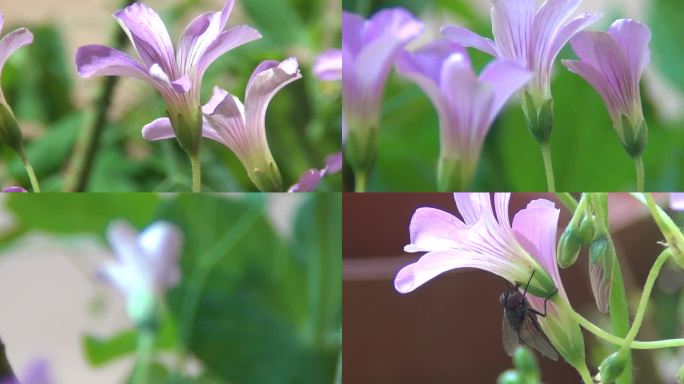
{"points": [[520, 325]]}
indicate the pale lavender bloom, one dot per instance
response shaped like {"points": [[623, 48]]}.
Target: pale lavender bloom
{"points": [[328, 65], [467, 105], [485, 239], [313, 177], [677, 201], [613, 63], [36, 372], [242, 128], [532, 36], [369, 48], [14, 190], [176, 75], [146, 265]]}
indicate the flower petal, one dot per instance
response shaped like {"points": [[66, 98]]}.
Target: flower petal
{"points": [[159, 129], [633, 38], [333, 163], [469, 38], [505, 77], [100, 60], [308, 182], [13, 41], [328, 65], [353, 30], [548, 21], [433, 230], [161, 243], [224, 114], [226, 41], [677, 201], [568, 31], [512, 22], [149, 36], [472, 206]]}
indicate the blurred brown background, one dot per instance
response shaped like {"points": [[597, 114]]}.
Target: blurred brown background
{"points": [[449, 330]]}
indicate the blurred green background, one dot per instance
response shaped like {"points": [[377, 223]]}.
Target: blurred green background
{"points": [[587, 154], [269, 310], [55, 107]]}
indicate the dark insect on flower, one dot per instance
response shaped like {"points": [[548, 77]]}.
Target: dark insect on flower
{"points": [[520, 325]]}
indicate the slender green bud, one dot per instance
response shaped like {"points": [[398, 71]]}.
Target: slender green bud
{"points": [[525, 362], [511, 377], [539, 117], [587, 229], [10, 134], [601, 256], [569, 246], [611, 368]]}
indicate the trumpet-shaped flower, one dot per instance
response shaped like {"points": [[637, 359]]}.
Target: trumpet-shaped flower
{"points": [[328, 65], [176, 75], [534, 37], [369, 48], [146, 265], [242, 128], [486, 240], [467, 105], [613, 63], [9, 129]]}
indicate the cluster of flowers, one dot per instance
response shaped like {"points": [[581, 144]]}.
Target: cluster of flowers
{"points": [[526, 42], [177, 76]]}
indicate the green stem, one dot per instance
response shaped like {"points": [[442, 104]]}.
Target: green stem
{"points": [[645, 295], [568, 201], [196, 165], [584, 373], [29, 171], [639, 166], [199, 275], [360, 179], [593, 328], [338, 371], [548, 167], [144, 356]]}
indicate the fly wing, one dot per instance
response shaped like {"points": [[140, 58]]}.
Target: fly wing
{"points": [[532, 335], [509, 336]]}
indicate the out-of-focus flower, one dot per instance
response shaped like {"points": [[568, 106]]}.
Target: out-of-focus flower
{"points": [[677, 201], [467, 105], [36, 372], [14, 189], [369, 48], [486, 240], [176, 75], [10, 134], [242, 128], [613, 63], [313, 177], [328, 65], [146, 265], [534, 37]]}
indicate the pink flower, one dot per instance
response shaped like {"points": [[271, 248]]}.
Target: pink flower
{"points": [[328, 65]]}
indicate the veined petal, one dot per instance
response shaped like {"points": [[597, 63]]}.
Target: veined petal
{"points": [[433, 230], [472, 206], [308, 182], [149, 36], [161, 129], [224, 113], [353, 27], [161, 243], [199, 35], [328, 65], [633, 39], [469, 38], [433, 264], [505, 77], [549, 20], [226, 41], [592, 76], [535, 228], [512, 23], [100, 60], [13, 41], [677, 201], [566, 32]]}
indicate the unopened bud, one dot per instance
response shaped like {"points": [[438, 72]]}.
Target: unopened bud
{"points": [[525, 362], [569, 247], [601, 256], [611, 368], [587, 229], [510, 377]]}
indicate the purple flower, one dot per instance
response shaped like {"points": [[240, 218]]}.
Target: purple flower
{"points": [[613, 63], [677, 201], [176, 75], [328, 65], [10, 134], [532, 36], [486, 240], [36, 372], [369, 48], [467, 105], [242, 128], [313, 177], [14, 190], [146, 265]]}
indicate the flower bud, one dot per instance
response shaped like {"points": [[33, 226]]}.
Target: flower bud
{"points": [[10, 134], [601, 256], [539, 117], [510, 377], [587, 229], [611, 368], [569, 246], [525, 362]]}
